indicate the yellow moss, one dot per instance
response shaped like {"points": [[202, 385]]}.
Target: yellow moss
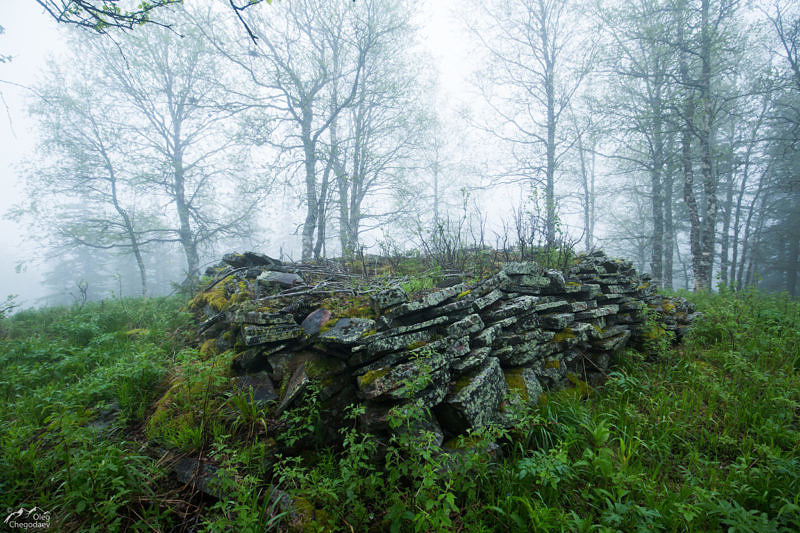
{"points": [[198, 301], [643, 286], [573, 284], [229, 336], [369, 332], [209, 347], [328, 325], [564, 334], [239, 297], [667, 306], [516, 383], [462, 294], [415, 345], [552, 363], [217, 299], [582, 388], [371, 376]]}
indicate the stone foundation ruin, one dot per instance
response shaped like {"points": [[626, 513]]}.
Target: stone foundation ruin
{"points": [[463, 350]]}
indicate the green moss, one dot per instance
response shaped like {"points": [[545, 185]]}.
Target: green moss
{"points": [[369, 332], [462, 294], [328, 325], [643, 286], [552, 363], [581, 388], [324, 366], [516, 383], [415, 345], [371, 376], [573, 284], [564, 334], [209, 347], [462, 382]]}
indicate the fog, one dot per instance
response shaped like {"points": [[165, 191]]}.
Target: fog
{"points": [[380, 127]]}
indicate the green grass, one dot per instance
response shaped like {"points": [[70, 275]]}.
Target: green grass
{"points": [[705, 436], [62, 370]]}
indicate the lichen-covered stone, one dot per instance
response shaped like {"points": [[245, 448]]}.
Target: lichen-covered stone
{"points": [[515, 307], [557, 321], [259, 385], [258, 318], [430, 300], [485, 301], [475, 398], [400, 330], [612, 344], [557, 306], [550, 370], [385, 299], [280, 279], [466, 326], [250, 259], [251, 360], [295, 388], [472, 359], [314, 321], [255, 335], [606, 310], [403, 381], [347, 331], [522, 269], [523, 383], [486, 337]]}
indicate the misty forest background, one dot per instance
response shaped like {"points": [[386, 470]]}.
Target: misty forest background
{"points": [[663, 131]]}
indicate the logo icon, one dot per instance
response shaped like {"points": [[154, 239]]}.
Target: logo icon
{"points": [[34, 518]]}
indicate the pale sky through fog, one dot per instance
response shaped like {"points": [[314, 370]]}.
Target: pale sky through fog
{"points": [[32, 36]]}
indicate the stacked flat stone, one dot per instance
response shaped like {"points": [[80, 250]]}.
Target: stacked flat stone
{"points": [[464, 351]]}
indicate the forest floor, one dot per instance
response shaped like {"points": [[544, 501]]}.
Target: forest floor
{"points": [[702, 436]]}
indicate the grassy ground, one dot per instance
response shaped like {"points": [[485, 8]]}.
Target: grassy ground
{"points": [[702, 437]]}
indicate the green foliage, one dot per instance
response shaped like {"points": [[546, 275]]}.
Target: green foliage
{"points": [[702, 437], [73, 380]]}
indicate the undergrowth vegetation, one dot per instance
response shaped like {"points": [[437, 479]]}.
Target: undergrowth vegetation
{"points": [[703, 436]]}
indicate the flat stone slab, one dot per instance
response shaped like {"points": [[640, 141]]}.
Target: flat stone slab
{"points": [[522, 268], [523, 383], [250, 259], [474, 399], [261, 386], [473, 359], [557, 321], [606, 310], [314, 321], [255, 335], [428, 301], [397, 382], [281, 279], [466, 326], [347, 331], [383, 300], [396, 343], [258, 318], [400, 330]]}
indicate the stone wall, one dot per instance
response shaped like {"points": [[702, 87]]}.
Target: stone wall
{"points": [[464, 350]]}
